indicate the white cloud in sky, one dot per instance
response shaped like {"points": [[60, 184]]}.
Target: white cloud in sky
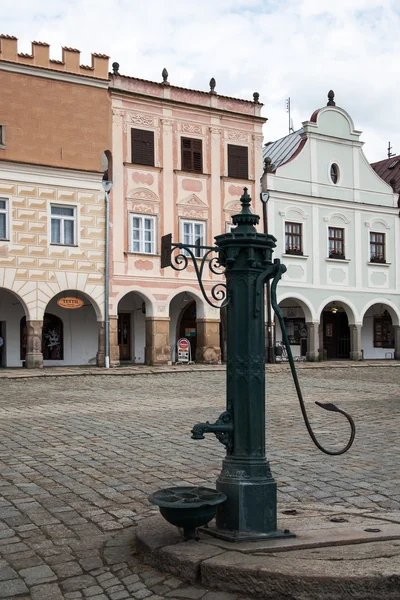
{"points": [[280, 48]]}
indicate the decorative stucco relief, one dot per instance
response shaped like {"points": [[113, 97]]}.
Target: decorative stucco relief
{"points": [[193, 214], [235, 190], [143, 265], [193, 200], [192, 185], [142, 119], [142, 208], [237, 136], [191, 128], [143, 194], [146, 178]]}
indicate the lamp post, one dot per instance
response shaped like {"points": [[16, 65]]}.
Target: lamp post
{"points": [[107, 185], [264, 195]]}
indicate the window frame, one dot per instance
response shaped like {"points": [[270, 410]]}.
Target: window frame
{"points": [[335, 177], [193, 151], [334, 252], [193, 222], [142, 241], [295, 249], [63, 218], [5, 211], [244, 175], [2, 136], [142, 161], [377, 256]]}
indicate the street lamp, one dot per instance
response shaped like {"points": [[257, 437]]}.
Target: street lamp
{"points": [[264, 196], [107, 185]]}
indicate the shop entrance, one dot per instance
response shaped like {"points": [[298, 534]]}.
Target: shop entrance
{"points": [[124, 336], [336, 334]]}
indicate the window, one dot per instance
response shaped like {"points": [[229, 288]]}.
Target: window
{"points": [[142, 147], [238, 161], [193, 235], [336, 242], [377, 247], [143, 234], [383, 331], [192, 155], [3, 219], [2, 136], [334, 172], [63, 225], [293, 238]]}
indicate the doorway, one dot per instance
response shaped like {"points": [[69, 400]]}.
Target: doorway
{"points": [[336, 335], [124, 336], [187, 327], [2, 343]]}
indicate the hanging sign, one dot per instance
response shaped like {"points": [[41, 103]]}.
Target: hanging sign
{"points": [[69, 302], [183, 346]]}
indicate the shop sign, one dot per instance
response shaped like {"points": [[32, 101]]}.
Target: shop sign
{"points": [[69, 302]]}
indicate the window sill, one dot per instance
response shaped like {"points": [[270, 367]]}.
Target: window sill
{"points": [[64, 246], [191, 173], [3, 146], [305, 256], [4, 240], [130, 253], [230, 178], [337, 260], [378, 264], [138, 166]]}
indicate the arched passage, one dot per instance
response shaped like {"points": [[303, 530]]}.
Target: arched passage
{"points": [[380, 334], [339, 335], [12, 310], [297, 316], [134, 311]]}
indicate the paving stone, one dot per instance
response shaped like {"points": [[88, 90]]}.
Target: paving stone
{"points": [[36, 575], [7, 573], [49, 591], [140, 594], [73, 584], [67, 569], [12, 588]]}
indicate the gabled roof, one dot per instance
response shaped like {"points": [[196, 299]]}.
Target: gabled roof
{"points": [[389, 171], [282, 150]]}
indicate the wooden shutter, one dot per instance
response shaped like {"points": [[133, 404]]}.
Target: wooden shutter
{"points": [[142, 147], [238, 161], [192, 155]]}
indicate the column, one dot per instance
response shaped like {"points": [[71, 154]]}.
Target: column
{"points": [[321, 351], [208, 349], [101, 352], [396, 329], [313, 342], [355, 342], [114, 347], [158, 350], [34, 355]]}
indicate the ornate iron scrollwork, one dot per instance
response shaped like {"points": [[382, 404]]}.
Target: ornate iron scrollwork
{"points": [[180, 261]]}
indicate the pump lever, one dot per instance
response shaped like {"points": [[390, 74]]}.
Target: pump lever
{"points": [[279, 270]]}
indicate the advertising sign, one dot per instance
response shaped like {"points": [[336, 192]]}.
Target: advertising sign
{"points": [[183, 347], [70, 303]]}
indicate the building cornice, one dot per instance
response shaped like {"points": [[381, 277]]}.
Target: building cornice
{"points": [[33, 71], [46, 175]]}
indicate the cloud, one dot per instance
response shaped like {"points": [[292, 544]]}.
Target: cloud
{"points": [[296, 48]]}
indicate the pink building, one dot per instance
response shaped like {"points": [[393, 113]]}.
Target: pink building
{"points": [[180, 160]]}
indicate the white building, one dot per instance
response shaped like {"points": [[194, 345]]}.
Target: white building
{"points": [[337, 226]]}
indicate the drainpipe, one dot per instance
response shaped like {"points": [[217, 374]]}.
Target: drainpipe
{"points": [[107, 185]]}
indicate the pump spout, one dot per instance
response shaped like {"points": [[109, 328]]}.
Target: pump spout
{"points": [[222, 429]]}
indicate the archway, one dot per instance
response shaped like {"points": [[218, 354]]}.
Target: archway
{"points": [[335, 339], [295, 315], [12, 310], [70, 334], [378, 336], [183, 323], [132, 311]]}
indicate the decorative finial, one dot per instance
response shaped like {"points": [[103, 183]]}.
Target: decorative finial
{"points": [[245, 217], [331, 95], [267, 164], [165, 76], [212, 85], [115, 68], [256, 97]]}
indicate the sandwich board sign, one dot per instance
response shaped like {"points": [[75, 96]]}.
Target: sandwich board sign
{"points": [[183, 351]]}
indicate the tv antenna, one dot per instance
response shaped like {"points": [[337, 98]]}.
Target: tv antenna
{"points": [[291, 128], [390, 153]]}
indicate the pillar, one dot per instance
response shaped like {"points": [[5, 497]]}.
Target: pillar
{"points": [[313, 342], [208, 349], [396, 329], [114, 347], [323, 355], [34, 355], [355, 342], [158, 350], [101, 352]]}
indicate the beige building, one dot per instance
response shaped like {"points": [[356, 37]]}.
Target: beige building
{"points": [[180, 161], [54, 127]]}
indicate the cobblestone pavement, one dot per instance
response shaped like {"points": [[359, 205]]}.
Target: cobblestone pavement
{"points": [[78, 457]]}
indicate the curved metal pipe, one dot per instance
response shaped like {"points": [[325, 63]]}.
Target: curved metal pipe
{"points": [[280, 269]]}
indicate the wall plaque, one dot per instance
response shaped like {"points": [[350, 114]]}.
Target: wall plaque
{"points": [[69, 302]]}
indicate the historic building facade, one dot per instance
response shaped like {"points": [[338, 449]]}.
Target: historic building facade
{"points": [[180, 161], [54, 127], [337, 225]]}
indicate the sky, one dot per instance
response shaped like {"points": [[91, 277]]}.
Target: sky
{"points": [[280, 48]]}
